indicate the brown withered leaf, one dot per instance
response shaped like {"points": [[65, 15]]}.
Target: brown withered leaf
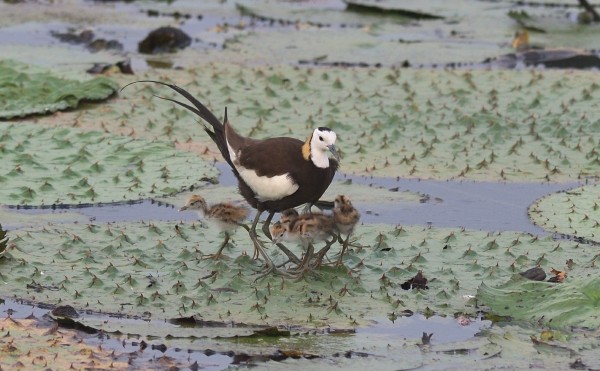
{"points": [[559, 276]]}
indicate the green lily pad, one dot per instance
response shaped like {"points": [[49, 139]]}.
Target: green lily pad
{"points": [[89, 167], [524, 346], [429, 9], [158, 270], [574, 302], [24, 90], [553, 3], [575, 212], [315, 14], [480, 125]]}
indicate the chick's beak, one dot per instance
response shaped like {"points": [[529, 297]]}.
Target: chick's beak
{"points": [[183, 208], [334, 152]]}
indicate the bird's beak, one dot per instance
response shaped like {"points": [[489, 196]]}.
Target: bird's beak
{"points": [[183, 208], [334, 152]]}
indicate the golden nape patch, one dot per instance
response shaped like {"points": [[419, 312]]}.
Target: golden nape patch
{"points": [[306, 148]]}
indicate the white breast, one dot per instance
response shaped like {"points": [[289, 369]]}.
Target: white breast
{"points": [[268, 188]]}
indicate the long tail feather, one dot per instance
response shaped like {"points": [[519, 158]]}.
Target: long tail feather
{"points": [[185, 105], [217, 134], [200, 109]]}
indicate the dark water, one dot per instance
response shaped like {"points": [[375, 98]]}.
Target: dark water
{"points": [[444, 329], [129, 347], [488, 206]]}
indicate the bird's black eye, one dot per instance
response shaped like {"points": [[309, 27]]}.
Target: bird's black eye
{"points": [[320, 138]]}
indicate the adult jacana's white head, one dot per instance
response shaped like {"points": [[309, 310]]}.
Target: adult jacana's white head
{"points": [[322, 142]]}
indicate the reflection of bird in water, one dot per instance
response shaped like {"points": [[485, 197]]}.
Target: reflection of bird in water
{"points": [[273, 174], [226, 216], [346, 217]]}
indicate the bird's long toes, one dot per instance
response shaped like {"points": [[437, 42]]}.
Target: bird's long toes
{"points": [[268, 270]]}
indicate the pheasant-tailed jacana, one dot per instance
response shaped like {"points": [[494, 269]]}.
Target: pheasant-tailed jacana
{"points": [[273, 174]]}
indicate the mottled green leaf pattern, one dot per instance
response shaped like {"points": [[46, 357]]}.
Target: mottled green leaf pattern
{"points": [[576, 301], [575, 212], [26, 90], [158, 270], [46, 166], [481, 125]]}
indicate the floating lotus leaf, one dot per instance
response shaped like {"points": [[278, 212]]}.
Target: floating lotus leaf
{"points": [[463, 36], [25, 344], [384, 45], [575, 212], [158, 270], [59, 59], [46, 166], [425, 9], [480, 125], [25, 91], [323, 15], [576, 301], [523, 344], [552, 3]]}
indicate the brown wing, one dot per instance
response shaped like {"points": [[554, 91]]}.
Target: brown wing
{"points": [[228, 213], [273, 156]]}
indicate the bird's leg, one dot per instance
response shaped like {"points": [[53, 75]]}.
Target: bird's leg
{"points": [[252, 231], [270, 266], [258, 248], [344, 248], [267, 231], [283, 264], [323, 252], [299, 272], [244, 226], [267, 224], [218, 254], [291, 256], [352, 243], [307, 207]]}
